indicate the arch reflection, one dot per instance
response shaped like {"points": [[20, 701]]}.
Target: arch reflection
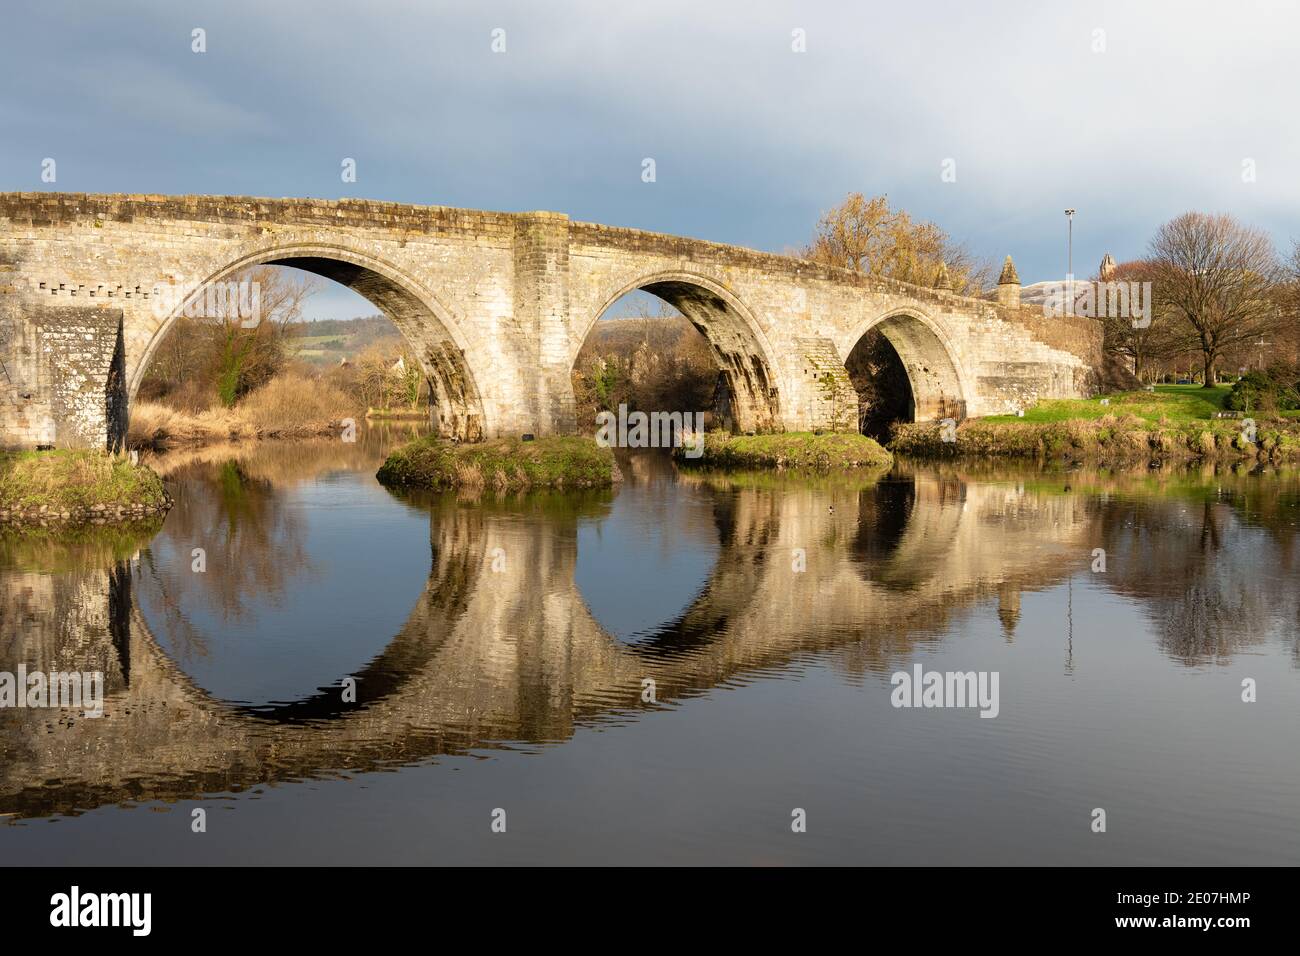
{"points": [[487, 656]]}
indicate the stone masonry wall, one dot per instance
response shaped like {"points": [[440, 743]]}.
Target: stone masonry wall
{"points": [[26, 416], [78, 347]]}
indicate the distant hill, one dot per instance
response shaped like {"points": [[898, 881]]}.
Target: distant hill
{"points": [[327, 341], [1037, 293]]}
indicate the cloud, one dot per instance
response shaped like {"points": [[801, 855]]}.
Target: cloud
{"points": [[154, 100], [750, 138]]}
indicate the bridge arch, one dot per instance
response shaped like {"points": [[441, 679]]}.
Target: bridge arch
{"points": [[426, 323], [940, 387], [740, 348]]}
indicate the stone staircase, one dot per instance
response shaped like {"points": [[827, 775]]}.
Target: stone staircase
{"points": [[1013, 368]]}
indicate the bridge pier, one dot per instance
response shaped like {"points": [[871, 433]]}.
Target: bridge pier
{"points": [[541, 301], [64, 381]]}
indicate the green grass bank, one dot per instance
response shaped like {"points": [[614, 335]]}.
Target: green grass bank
{"points": [[45, 487], [502, 464], [1171, 423], [787, 451]]}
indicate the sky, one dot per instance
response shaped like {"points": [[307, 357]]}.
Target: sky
{"points": [[1131, 113]]}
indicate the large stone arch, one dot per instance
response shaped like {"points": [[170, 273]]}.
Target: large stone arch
{"points": [[742, 351], [428, 325], [940, 386]]}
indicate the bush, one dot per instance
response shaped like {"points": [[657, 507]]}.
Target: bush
{"points": [[1271, 391], [294, 402]]}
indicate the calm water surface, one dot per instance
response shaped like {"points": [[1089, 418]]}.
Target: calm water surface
{"points": [[502, 653]]}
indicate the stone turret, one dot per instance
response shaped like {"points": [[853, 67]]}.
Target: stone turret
{"points": [[941, 281], [1009, 285], [1107, 268]]}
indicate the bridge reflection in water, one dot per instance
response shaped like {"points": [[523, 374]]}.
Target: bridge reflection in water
{"points": [[502, 646]]}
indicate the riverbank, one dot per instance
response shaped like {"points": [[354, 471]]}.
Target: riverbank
{"points": [[787, 451], [159, 428], [397, 414], [289, 407], [53, 487], [502, 464], [1172, 423]]}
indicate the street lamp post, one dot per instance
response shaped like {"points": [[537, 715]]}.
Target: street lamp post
{"points": [[1069, 260]]}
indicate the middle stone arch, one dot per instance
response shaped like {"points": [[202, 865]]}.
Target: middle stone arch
{"points": [[742, 352]]}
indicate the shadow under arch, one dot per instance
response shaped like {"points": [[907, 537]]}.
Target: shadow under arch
{"points": [[937, 381], [425, 322], [744, 356]]}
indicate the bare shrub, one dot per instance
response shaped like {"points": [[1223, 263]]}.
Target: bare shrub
{"points": [[295, 402]]}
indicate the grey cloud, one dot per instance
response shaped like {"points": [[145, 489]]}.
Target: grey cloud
{"points": [[751, 139]]}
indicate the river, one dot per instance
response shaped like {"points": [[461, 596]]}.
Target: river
{"points": [[685, 670]]}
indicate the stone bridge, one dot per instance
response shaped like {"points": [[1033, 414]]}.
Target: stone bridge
{"points": [[496, 305]]}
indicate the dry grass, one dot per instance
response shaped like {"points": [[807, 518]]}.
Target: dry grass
{"points": [[160, 426], [296, 404], [799, 451], [502, 464], [292, 405], [69, 479]]}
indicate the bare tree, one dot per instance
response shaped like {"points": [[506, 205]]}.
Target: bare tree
{"points": [[852, 235], [869, 237], [219, 353], [1145, 344], [1287, 335], [1220, 277], [249, 354]]}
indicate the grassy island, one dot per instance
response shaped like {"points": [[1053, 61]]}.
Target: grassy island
{"points": [[502, 464], [1171, 423], [793, 451], [44, 487]]}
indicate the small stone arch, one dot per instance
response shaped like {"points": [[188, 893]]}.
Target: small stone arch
{"points": [[740, 348], [939, 384], [427, 324]]}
